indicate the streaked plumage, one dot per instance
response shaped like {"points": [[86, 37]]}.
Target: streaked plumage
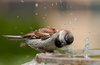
{"points": [[46, 39]]}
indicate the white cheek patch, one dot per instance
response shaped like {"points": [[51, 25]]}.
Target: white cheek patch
{"points": [[62, 34]]}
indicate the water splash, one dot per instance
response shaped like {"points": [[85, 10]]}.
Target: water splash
{"points": [[87, 47]]}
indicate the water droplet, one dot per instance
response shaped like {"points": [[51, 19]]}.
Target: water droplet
{"points": [[56, 3], [17, 16], [22, 1], [52, 4], [36, 4], [75, 19], [36, 13], [21, 32]]}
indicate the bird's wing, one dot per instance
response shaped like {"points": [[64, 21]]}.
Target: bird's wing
{"points": [[29, 35], [43, 33]]}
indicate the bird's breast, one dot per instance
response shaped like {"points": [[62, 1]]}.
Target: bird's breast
{"points": [[41, 44]]}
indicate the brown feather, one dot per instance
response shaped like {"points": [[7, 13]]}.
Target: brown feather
{"points": [[42, 33]]}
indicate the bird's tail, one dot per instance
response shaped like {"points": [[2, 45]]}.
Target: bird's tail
{"points": [[13, 37]]}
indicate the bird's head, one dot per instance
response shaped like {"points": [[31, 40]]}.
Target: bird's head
{"points": [[64, 38]]}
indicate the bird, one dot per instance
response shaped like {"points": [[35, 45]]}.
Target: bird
{"points": [[46, 39]]}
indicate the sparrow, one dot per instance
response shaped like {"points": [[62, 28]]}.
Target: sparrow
{"points": [[45, 39]]}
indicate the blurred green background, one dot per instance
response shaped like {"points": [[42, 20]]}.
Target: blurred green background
{"points": [[16, 19]]}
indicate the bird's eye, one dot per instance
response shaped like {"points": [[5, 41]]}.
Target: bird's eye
{"points": [[58, 43], [69, 39]]}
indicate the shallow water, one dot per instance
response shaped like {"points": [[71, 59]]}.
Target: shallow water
{"points": [[54, 62]]}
